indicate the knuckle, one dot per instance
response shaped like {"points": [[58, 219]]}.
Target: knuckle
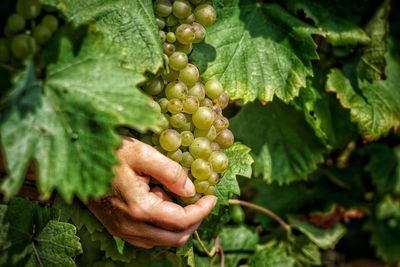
{"points": [[181, 242], [177, 174]]}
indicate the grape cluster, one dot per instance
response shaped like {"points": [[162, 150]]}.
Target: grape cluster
{"points": [[26, 30], [194, 129]]}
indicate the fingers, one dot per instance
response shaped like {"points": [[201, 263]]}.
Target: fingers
{"points": [[161, 194], [146, 160]]}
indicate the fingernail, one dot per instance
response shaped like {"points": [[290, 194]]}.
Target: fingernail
{"points": [[215, 201], [189, 188]]}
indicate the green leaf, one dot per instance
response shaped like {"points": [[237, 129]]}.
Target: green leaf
{"points": [[256, 51], [284, 146], [32, 236], [271, 255], [239, 164], [389, 207], [375, 107], [304, 252], [337, 19], [112, 247], [66, 123], [323, 238], [128, 23], [187, 252]]}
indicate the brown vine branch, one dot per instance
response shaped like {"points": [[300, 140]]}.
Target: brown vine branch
{"points": [[261, 209]]}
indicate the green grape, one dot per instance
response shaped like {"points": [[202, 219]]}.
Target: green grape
{"points": [[237, 214], [188, 20], [196, 2], [178, 120], [210, 190], [185, 34], [198, 91], [154, 86], [203, 118], [23, 46], [199, 32], [155, 139], [200, 148], [210, 134], [41, 34], [213, 179], [187, 138], [51, 22], [15, 23], [163, 102], [163, 36], [170, 140], [171, 37], [201, 169], [183, 48], [147, 139], [215, 146], [168, 48], [160, 23], [176, 89], [190, 104], [221, 123], [155, 106], [225, 138], [222, 100], [213, 88], [175, 155], [175, 106], [189, 75], [164, 121], [178, 60], [171, 20], [206, 102], [170, 75], [4, 51], [191, 200], [219, 161], [187, 159], [201, 186], [217, 110], [188, 127], [205, 15], [163, 8], [181, 9], [29, 9]]}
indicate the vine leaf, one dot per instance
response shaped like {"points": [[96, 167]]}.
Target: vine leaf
{"points": [[66, 124], [284, 146], [33, 236], [271, 254], [128, 23], [256, 51]]}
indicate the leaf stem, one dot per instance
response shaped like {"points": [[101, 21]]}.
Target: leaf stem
{"points": [[262, 210]]}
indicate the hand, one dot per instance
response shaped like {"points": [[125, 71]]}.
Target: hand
{"points": [[147, 217]]}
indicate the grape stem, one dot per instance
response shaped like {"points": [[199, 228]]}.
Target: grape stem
{"points": [[262, 210], [209, 253]]}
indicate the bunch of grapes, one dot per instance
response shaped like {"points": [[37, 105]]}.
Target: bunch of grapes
{"points": [[26, 30], [194, 129]]}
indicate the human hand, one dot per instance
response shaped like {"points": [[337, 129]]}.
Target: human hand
{"points": [[147, 217]]}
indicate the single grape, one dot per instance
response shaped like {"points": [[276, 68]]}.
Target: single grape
{"points": [[205, 15], [199, 32], [155, 139], [198, 91], [175, 155], [213, 179], [219, 161], [196, 2], [187, 138], [201, 169], [222, 100], [4, 51], [210, 190], [41, 34], [154, 86], [181, 9], [168, 48], [163, 8], [200, 148], [171, 20], [217, 110], [187, 159], [22, 46], [155, 106], [225, 138], [147, 139], [15, 23], [174, 106], [170, 140], [178, 60], [163, 102], [170, 75], [171, 37], [185, 34], [191, 200], [237, 214], [29, 9], [188, 20], [188, 127], [190, 104], [210, 134], [215, 146], [213, 88], [184, 48], [176, 89], [163, 36], [164, 121], [221, 123], [206, 102], [189, 75], [201, 186], [203, 118], [160, 23], [51, 22], [178, 120]]}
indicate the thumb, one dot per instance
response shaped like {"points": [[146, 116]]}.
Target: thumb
{"points": [[147, 160]]}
